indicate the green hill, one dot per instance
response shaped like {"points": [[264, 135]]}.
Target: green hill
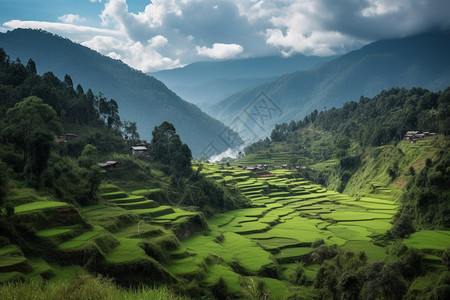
{"points": [[142, 99], [417, 61]]}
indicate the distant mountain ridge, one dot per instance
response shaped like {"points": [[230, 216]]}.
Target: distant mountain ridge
{"points": [[206, 83], [141, 98], [421, 61]]}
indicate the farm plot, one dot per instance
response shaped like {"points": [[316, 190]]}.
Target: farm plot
{"points": [[288, 216], [429, 240]]}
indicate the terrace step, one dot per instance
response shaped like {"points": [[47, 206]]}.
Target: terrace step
{"points": [[108, 188], [12, 260], [139, 204], [120, 200], [113, 195], [140, 230], [154, 212], [54, 236]]}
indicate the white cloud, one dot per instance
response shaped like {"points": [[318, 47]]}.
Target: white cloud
{"points": [[75, 32], [170, 33], [71, 19], [143, 56], [221, 51]]}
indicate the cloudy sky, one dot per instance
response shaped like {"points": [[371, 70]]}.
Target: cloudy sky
{"points": [[163, 34]]}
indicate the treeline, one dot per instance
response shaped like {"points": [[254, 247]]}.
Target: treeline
{"points": [[94, 118], [379, 120], [34, 111]]}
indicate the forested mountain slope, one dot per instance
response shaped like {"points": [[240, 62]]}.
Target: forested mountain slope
{"points": [[360, 149], [206, 83], [420, 61], [142, 98]]}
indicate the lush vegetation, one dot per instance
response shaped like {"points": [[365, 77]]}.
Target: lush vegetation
{"points": [[160, 225], [55, 207], [142, 99], [356, 148]]}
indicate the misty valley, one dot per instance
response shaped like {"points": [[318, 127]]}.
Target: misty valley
{"points": [[326, 180]]}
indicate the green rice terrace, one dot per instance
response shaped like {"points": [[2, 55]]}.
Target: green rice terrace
{"points": [[131, 237]]}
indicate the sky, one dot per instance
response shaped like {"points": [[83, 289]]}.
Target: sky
{"points": [[164, 34]]}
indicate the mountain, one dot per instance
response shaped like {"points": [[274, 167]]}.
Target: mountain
{"points": [[141, 98], [421, 61], [205, 83]]}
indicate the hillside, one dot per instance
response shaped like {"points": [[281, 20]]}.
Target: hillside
{"points": [[206, 83], [361, 149], [420, 60], [141, 98], [358, 212]]}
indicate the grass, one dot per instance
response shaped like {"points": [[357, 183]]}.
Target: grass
{"points": [[277, 243], [38, 205], [83, 286], [127, 250], [296, 252], [350, 233], [428, 239], [10, 249], [81, 239], [140, 229], [354, 215], [372, 251], [52, 232], [178, 213], [220, 271]]}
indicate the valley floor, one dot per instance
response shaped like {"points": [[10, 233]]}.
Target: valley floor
{"points": [[133, 239]]}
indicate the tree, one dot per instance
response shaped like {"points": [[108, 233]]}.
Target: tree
{"points": [[38, 147], [166, 147], [159, 145], [130, 129], [88, 156], [27, 117], [31, 67], [31, 126], [342, 145]]}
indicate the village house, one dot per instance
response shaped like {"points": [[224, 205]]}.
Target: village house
{"points": [[414, 135], [138, 150]]}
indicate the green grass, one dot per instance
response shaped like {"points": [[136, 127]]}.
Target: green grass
{"points": [[81, 239], [428, 239], [153, 212], [276, 243], [102, 211], [10, 249], [295, 252], [127, 250], [350, 233], [231, 279], [354, 215], [178, 213], [146, 192], [372, 251], [38, 205], [83, 286], [52, 232], [140, 229]]}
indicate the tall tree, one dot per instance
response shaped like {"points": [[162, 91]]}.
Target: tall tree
{"points": [[31, 125]]}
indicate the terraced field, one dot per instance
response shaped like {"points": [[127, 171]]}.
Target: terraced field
{"points": [[132, 238], [125, 237], [288, 218]]}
